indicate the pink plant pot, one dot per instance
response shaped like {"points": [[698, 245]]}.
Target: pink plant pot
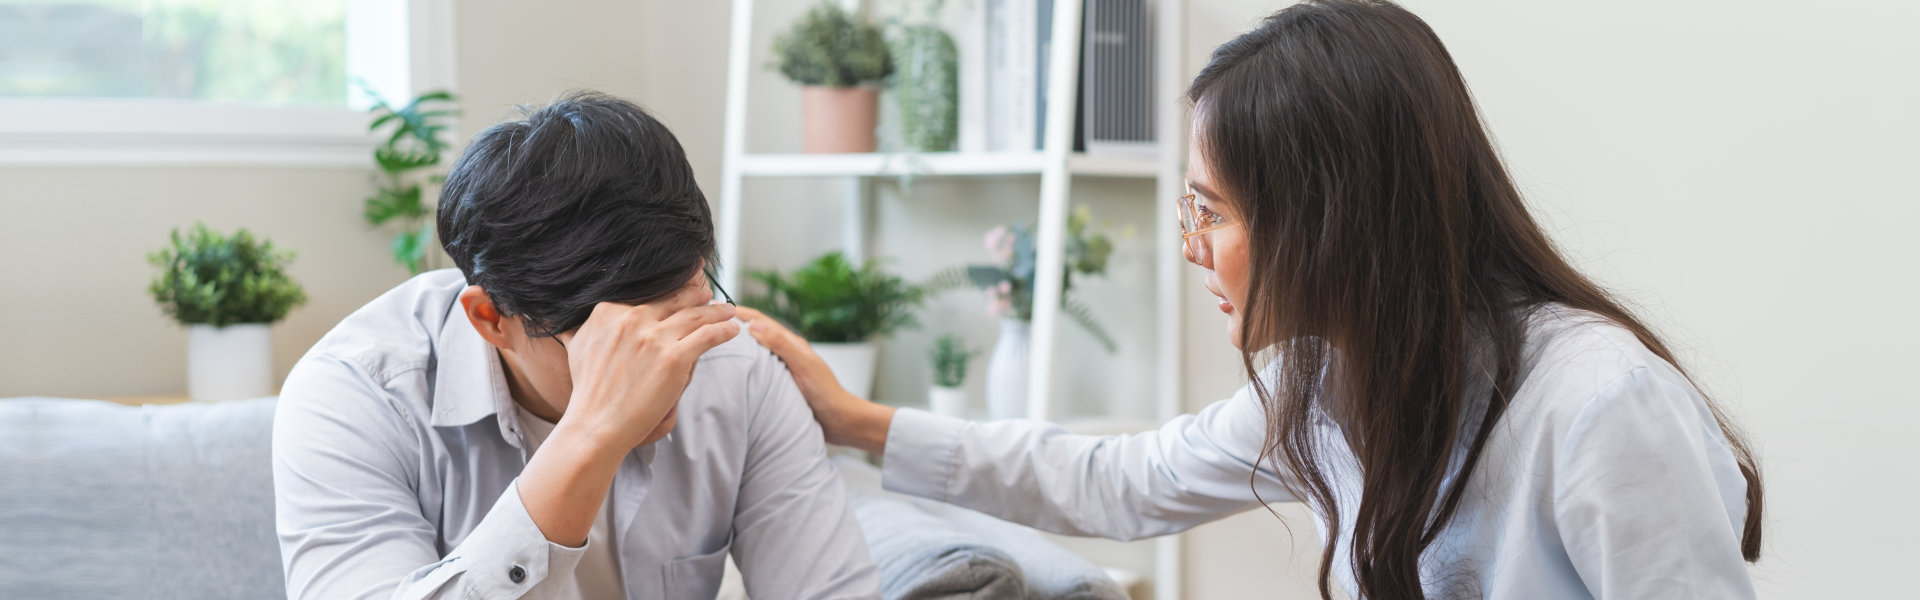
{"points": [[839, 119]]}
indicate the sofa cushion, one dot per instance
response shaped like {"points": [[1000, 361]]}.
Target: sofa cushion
{"points": [[103, 500]]}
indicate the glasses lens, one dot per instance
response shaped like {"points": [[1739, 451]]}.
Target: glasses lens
{"points": [[1185, 205], [1201, 246]]}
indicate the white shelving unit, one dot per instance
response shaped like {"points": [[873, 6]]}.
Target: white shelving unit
{"points": [[1056, 166]]}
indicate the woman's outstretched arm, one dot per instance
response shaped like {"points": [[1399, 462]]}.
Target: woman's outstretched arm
{"points": [[1192, 470]]}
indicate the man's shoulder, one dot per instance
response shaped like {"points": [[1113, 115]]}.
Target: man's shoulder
{"points": [[741, 373], [395, 332]]}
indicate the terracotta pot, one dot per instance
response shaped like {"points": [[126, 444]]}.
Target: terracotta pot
{"points": [[839, 119]]}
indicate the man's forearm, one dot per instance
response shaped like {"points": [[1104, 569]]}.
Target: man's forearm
{"points": [[566, 482]]}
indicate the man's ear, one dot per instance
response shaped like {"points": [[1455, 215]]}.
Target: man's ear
{"points": [[486, 318]]}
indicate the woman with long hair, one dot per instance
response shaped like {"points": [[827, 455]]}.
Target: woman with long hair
{"points": [[1466, 413]]}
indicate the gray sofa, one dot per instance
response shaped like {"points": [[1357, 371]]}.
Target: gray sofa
{"points": [[101, 500]]}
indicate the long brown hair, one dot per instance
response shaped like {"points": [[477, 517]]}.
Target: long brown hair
{"points": [[1392, 266]]}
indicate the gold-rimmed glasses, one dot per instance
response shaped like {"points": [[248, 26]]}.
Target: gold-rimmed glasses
{"points": [[1197, 219]]}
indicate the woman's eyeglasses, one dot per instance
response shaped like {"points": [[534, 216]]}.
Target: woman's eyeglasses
{"points": [[1196, 219]]}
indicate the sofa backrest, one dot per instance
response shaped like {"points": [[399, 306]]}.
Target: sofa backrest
{"points": [[101, 500]]}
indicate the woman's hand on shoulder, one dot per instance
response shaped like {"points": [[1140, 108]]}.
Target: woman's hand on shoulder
{"points": [[847, 420]]}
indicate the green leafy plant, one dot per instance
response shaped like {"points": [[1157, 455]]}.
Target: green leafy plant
{"points": [[950, 357], [207, 278], [926, 77], [1009, 282], [405, 160], [828, 46], [828, 300]]}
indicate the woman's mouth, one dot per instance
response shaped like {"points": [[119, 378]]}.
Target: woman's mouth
{"points": [[1226, 306]]}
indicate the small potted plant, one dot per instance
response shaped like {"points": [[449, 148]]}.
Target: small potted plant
{"points": [[950, 358], [841, 310], [228, 291], [841, 61]]}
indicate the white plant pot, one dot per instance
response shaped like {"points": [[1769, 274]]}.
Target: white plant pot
{"points": [[1007, 371], [947, 401], [229, 363], [852, 364]]}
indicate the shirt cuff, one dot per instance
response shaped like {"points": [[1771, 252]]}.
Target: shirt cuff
{"points": [[506, 555], [921, 453]]}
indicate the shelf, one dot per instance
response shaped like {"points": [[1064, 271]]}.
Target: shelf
{"points": [[938, 164]]}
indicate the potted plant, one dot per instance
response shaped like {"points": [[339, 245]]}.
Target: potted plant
{"points": [[1009, 283], [950, 358], [404, 160], [228, 291], [840, 61], [926, 79], [840, 309]]}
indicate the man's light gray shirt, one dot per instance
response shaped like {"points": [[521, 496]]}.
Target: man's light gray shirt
{"points": [[396, 451]]}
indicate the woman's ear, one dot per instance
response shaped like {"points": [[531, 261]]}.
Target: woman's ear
{"points": [[486, 317]]}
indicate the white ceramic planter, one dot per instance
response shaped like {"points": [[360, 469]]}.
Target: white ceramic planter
{"points": [[852, 364], [947, 401], [1007, 371], [229, 363]]}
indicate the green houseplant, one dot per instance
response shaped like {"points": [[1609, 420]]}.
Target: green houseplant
{"points": [[926, 79], [840, 60], [950, 357], [406, 159], [228, 290], [841, 309]]}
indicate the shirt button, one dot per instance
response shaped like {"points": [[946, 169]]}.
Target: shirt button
{"points": [[517, 574]]}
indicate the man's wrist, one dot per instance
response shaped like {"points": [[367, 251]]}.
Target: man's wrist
{"points": [[588, 438]]}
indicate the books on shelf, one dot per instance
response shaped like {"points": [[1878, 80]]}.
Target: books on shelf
{"points": [[1006, 46]]}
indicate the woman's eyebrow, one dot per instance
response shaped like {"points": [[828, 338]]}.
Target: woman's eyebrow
{"points": [[1202, 189]]}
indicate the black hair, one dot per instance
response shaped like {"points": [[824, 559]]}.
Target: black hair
{"points": [[588, 199]]}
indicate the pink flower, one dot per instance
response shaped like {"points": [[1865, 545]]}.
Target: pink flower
{"points": [[999, 305], [999, 243], [1006, 287]]}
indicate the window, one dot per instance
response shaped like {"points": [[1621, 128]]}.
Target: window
{"points": [[195, 81]]}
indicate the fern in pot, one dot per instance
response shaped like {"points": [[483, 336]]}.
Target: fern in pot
{"points": [[841, 309], [841, 60], [228, 290]]}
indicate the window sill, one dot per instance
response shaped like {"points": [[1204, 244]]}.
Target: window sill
{"points": [[174, 133]]}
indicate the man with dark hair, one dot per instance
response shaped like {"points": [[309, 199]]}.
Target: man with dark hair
{"points": [[514, 428]]}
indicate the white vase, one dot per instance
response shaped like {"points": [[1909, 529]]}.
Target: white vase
{"points": [[229, 363], [947, 401], [852, 364], [1007, 371]]}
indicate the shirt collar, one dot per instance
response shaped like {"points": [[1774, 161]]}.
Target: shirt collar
{"points": [[469, 383]]}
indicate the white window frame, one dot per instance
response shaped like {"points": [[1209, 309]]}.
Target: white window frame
{"points": [[35, 131]]}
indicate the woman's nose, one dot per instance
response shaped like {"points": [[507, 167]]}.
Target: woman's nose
{"points": [[1186, 251]]}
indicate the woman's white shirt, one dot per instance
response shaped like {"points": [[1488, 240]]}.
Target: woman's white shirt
{"points": [[1607, 477]]}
